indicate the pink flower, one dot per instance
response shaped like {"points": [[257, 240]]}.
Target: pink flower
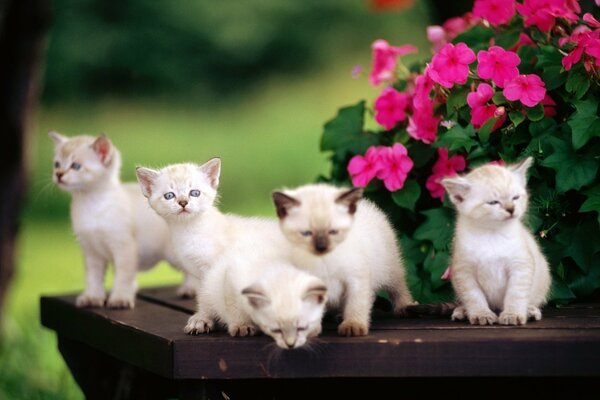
{"points": [[549, 106], [483, 94], [385, 58], [524, 40], [423, 87], [457, 25], [451, 64], [442, 168], [498, 65], [395, 166], [590, 20], [390, 107], [528, 89], [437, 36], [422, 125], [586, 41], [543, 13], [481, 112], [363, 169], [496, 12]]}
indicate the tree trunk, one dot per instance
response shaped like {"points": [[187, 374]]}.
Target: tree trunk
{"points": [[23, 24]]}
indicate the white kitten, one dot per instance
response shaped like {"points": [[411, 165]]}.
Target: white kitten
{"points": [[496, 262], [112, 221], [349, 243], [184, 195]]}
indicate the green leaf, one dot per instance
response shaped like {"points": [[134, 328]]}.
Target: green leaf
{"points": [[560, 292], [544, 127], [578, 81], [572, 170], [499, 99], [508, 38], [535, 113], [516, 117], [554, 77], [485, 131], [550, 61], [438, 227], [436, 263], [420, 153], [456, 100], [477, 38], [580, 248], [584, 123], [593, 201], [407, 196], [584, 284], [457, 138], [344, 134]]}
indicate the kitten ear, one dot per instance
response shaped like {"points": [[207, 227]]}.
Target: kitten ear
{"points": [[102, 147], [212, 168], [317, 292], [520, 169], [256, 296], [283, 203], [457, 188], [146, 178], [350, 197], [57, 138]]}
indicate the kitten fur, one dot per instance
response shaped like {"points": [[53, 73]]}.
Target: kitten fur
{"points": [[497, 265], [258, 293], [184, 195], [112, 220], [349, 243]]}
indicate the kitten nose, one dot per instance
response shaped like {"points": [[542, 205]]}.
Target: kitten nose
{"points": [[510, 209], [183, 203], [290, 342], [321, 243], [59, 175]]}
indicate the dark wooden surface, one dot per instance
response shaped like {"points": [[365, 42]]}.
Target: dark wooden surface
{"points": [[565, 343]]}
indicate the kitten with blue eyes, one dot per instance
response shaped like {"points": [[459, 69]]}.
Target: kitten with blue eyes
{"points": [[112, 220], [349, 243], [497, 265]]}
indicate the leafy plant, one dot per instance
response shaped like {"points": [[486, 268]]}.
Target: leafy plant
{"points": [[500, 86]]}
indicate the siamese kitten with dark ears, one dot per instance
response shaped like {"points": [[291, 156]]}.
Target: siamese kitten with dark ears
{"points": [[112, 220], [350, 244]]}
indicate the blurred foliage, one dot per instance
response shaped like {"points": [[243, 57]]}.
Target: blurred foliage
{"points": [[138, 48]]}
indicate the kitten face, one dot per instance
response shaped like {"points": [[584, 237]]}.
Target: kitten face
{"points": [[316, 217], [181, 191], [491, 193], [288, 305], [81, 161]]}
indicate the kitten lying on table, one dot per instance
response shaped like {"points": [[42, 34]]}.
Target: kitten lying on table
{"points": [[112, 220], [496, 262], [350, 244]]}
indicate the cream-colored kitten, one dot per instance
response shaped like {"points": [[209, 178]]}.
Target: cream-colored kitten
{"points": [[246, 290], [112, 221], [349, 243], [496, 263]]}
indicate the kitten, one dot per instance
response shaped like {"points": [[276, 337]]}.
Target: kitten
{"points": [[255, 292], [349, 243], [112, 221], [184, 195], [496, 262]]}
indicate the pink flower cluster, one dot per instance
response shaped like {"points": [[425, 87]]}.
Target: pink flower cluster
{"points": [[443, 168], [391, 107], [496, 12], [543, 13], [390, 164], [481, 110], [451, 64], [385, 59], [440, 35], [587, 44]]}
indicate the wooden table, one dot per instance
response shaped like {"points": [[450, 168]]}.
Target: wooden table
{"points": [[143, 353]]}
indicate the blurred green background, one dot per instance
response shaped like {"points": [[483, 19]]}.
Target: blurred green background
{"points": [[251, 81]]}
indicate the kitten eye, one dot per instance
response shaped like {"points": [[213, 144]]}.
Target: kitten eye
{"points": [[56, 164], [301, 328], [276, 330], [517, 197], [493, 202], [169, 195], [306, 233], [195, 193], [333, 232], [76, 166]]}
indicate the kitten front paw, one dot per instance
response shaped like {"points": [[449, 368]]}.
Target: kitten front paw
{"points": [[459, 314], [121, 301], [486, 317], [186, 292], [86, 300], [353, 328], [197, 324], [534, 312], [512, 318], [242, 330]]}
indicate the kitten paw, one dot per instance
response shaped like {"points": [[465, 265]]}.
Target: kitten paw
{"points": [[121, 301], [534, 312], [186, 292], [353, 328], [197, 324], [512, 318], [242, 330], [483, 318], [459, 314], [85, 300]]}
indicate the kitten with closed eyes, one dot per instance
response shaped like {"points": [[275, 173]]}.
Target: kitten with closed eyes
{"points": [[112, 220], [497, 265], [349, 243]]}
